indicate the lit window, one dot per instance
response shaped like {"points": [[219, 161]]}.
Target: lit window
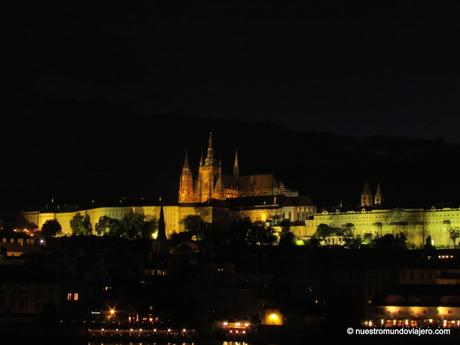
{"points": [[69, 296], [75, 296]]}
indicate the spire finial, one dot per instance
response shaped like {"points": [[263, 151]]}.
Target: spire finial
{"points": [[236, 166], [186, 165], [210, 140], [378, 199], [210, 155]]}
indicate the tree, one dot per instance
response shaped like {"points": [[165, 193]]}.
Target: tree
{"points": [[81, 225], [454, 234], [323, 231], [238, 231], [149, 228], [195, 225], [106, 226], [390, 241], [51, 228], [367, 239], [429, 243], [259, 234], [131, 225], [179, 237], [287, 239]]}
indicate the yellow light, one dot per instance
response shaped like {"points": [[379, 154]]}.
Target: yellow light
{"points": [[246, 324], [225, 323], [112, 312], [273, 317], [443, 311], [392, 310], [238, 324]]}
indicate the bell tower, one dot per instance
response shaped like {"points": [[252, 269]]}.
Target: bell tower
{"points": [[186, 183], [366, 196], [378, 199]]}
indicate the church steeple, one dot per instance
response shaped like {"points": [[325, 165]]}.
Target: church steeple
{"points": [[210, 154], [378, 200], [161, 226], [186, 165], [366, 196], [236, 167], [186, 182]]}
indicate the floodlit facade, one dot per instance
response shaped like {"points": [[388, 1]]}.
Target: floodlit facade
{"points": [[211, 184]]}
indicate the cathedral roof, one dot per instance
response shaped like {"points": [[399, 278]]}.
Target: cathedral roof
{"points": [[250, 182]]}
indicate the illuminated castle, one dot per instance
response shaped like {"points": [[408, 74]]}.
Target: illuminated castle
{"points": [[212, 184]]}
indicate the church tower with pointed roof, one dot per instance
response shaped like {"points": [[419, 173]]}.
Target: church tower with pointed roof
{"points": [[366, 196], [186, 193], [378, 199]]}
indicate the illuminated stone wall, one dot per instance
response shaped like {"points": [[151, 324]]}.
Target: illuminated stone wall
{"points": [[262, 214], [416, 224], [173, 216]]}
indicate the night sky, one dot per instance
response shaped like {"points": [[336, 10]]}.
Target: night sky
{"points": [[383, 68]]}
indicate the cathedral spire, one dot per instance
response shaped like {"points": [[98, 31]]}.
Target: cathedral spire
{"points": [[236, 166], [186, 164], [378, 200], [366, 196], [210, 154]]}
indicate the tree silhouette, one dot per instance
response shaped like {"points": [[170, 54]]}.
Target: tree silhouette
{"points": [[81, 225], [51, 228]]}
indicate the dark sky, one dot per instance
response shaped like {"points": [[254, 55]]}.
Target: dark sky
{"points": [[387, 67]]}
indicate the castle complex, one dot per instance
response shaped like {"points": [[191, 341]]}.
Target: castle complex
{"points": [[217, 197], [213, 196]]}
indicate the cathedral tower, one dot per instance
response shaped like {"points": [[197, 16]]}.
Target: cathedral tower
{"points": [[366, 196], [378, 199], [236, 168], [186, 183], [209, 176]]}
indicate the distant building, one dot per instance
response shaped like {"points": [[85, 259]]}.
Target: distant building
{"points": [[16, 243], [373, 220], [416, 306], [211, 183]]}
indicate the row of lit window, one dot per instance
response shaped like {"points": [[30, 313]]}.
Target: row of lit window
{"points": [[72, 296]]}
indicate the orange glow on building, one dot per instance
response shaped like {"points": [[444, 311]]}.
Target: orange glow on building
{"points": [[273, 317]]}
